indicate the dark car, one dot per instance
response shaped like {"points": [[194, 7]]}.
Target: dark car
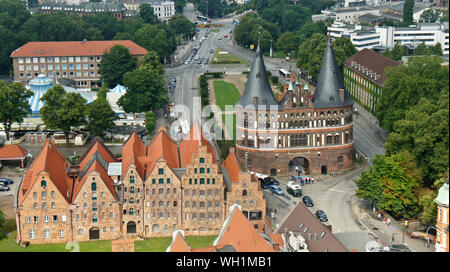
{"points": [[272, 181], [264, 184], [6, 181], [308, 201], [4, 187], [322, 216]]}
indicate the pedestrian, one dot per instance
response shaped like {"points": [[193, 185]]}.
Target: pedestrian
{"points": [[312, 180], [389, 222], [379, 216], [384, 221]]}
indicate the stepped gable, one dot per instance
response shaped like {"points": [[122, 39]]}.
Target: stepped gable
{"points": [[51, 160], [162, 146], [258, 86], [238, 232], [191, 142], [133, 151], [330, 81]]}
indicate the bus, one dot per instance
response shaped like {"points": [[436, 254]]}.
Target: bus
{"points": [[202, 18], [294, 189], [284, 74]]}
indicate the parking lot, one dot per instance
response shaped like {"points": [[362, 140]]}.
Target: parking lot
{"points": [[7, 197], [279, 206]]}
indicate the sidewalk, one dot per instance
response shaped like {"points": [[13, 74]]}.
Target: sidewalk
{"points": [[368, 219], [370, 122]]}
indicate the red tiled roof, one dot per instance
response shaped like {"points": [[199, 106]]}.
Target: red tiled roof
{"points": [[8, 152], [239, 233], [276, 237], [179, 244], [162, 146], [51, 160], [232, 166], [373, 61], [73, 48], [98, 146], [190, 144], [133, 149]]}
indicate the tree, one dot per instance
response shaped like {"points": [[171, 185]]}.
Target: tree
{"points": [[423, 132], [100, 117], [102, 92], [154, 38], [2, 225], [310, 53], [13, 104], [179, 5], [397, 52], [431, 16], [146, 91], [150, 122], [123, 36], [151, 61], [429, 207], [392, 182], [147, 14], [63, 110], [408, 7], [405, 85], [115, 64], [181, 25], [288, 42]]}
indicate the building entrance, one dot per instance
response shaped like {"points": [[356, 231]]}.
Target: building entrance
{"points": [[299, 165]]}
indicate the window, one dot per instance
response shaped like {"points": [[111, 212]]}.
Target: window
{"points": [[55, 219], [153, 181], [61, 234], [80, 231], [44, 205], [202, 180], [161, 191], [168, 181], [161, 181], [46, 234], [27, 219], [186, 193], [202, 160], [94, 186], [36, 219], [161, 171], [32, 234], [35, 195], [43, 183]]}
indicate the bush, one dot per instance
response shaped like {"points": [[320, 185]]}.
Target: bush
{"points": [[224, 147]]}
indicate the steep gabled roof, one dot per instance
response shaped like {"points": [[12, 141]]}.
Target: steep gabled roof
{"points": [[98, 146], [232, 166], [191, 142], [51, 160], [330, 81], [258, 85], [238, 232], [162, 146], [178, 243], [133, 150], [8, 152]]}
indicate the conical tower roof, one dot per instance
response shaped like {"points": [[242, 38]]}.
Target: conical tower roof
{"points": [[258, 85], [330, 81]]}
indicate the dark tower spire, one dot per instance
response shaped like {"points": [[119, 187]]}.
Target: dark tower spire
{"points": [[257, 90], [330, 90]]}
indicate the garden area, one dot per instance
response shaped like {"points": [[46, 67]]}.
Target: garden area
{"points": [[222, 57], [226, 94]]}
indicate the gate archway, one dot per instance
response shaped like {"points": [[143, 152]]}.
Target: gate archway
{"points": [[94, 234], [131, 227], [299, 163]]}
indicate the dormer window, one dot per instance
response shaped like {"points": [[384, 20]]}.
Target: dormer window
{"points": [[43, 183]]}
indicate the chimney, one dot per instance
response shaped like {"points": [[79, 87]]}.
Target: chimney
{"points": [[341, 94]]}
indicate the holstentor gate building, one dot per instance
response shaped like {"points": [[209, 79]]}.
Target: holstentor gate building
{"points": [[299, 130]]}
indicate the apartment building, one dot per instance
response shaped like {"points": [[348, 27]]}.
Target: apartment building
{"points": [[369, 37], [163, 9], [364, 76], [83, 8], [77, 60]]}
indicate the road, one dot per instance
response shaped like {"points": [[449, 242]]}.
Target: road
{"points": [[335, 195]]}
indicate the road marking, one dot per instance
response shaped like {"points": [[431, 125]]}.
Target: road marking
{"points": [[334, 190]]}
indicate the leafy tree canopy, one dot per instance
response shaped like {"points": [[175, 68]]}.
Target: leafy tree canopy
{"points": [[115, 63], [100, 117]]}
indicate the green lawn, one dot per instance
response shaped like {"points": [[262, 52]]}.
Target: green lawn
{"points": [[223, 59], [226, 93], [159, 244], [232, 128]]}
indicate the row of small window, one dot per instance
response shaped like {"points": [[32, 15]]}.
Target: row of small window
{"points": [[94, 216], [46, 219], [44, 194], [47, 234], [293, 115], [161, 215], [45, 206], [161, 191], [63, 74], [94, 195], [105, 229], [94, 205], [57, 67], [251, 203], [201, 216], [201, 170], [201, 204], [57, 59], [201, 192], [202, 181]]}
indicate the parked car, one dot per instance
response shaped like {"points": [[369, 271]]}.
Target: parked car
{"points": [[264, 184], [205, 61], [6, 181], [308, 201], [275, 189], [4, 187], [220, 38], [211, 50], [199, 61], [272, 181], [322, 216], [294, 189], [174, 79]]}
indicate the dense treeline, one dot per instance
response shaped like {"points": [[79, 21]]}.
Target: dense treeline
{"points": [[18, 26], [414, 109]]}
